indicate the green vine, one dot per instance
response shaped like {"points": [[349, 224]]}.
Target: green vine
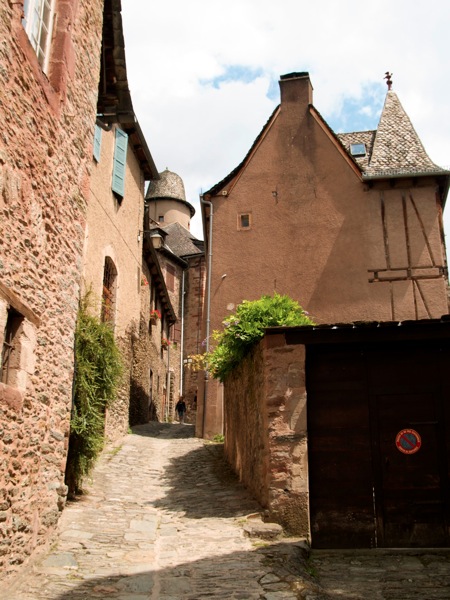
{"points": [[98, 370], [241, 330]]}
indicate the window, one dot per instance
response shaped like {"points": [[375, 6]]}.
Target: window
{"points": [[161, 218], [38, 23], [11, 347], [358, 149], [97, 143], [109, 291], [120, 160], [244, 221]]}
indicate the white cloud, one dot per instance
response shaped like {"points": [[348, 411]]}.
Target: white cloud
{"points": [[202, 132]]}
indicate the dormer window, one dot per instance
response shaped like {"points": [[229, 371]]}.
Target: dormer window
{"points": [[358, 150]]}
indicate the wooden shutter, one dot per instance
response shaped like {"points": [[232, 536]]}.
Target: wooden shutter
{"points": [[120, 159], [97, 142], [176, 332]]}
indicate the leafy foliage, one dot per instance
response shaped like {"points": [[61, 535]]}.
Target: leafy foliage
{"points": [[247, 326], [98, 369]]}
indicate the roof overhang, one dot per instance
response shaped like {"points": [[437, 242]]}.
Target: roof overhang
{"points": [[114, 103], [367, 332]]}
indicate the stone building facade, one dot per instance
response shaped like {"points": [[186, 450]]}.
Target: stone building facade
{"points": [[121, 266], [182, 261], [152, 364], [350, 225], [48, 97]]}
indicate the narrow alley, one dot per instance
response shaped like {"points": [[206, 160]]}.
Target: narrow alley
{"points": [[164, 519]]}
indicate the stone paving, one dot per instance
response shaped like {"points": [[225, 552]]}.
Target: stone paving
{"points": [[162, 520], [165, 519], [382, 574]]}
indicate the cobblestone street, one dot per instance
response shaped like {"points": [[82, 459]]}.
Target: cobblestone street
{"points": [[164, 519]]}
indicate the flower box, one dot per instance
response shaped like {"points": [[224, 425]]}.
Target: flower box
{"points": [[154, 316]]}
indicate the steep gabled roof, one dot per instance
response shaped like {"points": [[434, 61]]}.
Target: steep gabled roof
{"points": [[216, 188], [393, 150]]}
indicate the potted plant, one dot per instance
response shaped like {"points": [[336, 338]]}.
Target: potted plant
{"points": [[165, 343], [154, 315]]}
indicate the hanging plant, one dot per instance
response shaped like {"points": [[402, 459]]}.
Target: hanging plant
{"points": [[165, 343], [99, 369], [155, 314]]}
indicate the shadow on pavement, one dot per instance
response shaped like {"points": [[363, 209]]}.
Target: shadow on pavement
{"points": [[165, 430], [246, 575], [200, 482]]}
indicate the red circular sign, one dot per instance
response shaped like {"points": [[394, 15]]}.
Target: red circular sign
{"points": [[408, 441]]}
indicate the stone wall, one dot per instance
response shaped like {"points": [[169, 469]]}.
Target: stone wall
{"points": [[149, 365], [266, 429], [193, 315], [45, 156]]}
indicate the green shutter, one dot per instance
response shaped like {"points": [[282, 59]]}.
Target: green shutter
{"points": [[97, 142], [120, 160]]}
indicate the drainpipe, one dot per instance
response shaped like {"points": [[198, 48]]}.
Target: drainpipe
{"points": [[208, 302], [182, 333], [168, 382]]}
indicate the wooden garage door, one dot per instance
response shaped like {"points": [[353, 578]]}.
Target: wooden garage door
{"points": [[366, 490]]}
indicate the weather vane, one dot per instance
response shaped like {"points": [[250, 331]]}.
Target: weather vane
{"points": [[388, 77]]}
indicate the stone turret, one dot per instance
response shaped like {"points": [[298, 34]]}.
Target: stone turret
{"points": [[166, 200]]}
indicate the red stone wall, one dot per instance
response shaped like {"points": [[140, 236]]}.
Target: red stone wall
{"points": [[193, 311], [266, 430], [45, 156]]}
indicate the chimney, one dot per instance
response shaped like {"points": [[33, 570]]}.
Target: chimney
{"points": [[296, 87]]}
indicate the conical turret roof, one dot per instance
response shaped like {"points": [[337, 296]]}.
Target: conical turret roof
{"points": [[396, 145], [394, 148], [169, 185]]}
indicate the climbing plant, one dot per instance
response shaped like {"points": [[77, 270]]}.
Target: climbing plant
{"points": [[242, 329], [98, 370]]}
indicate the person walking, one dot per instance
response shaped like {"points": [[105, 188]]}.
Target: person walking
{"points": [[181, 410]]}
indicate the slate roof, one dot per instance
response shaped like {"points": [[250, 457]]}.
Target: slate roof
{"points": [[168, 186], [394, 149], [359, 137], [181, 241]]}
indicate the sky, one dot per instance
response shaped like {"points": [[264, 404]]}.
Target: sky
{"points": [[203, 74]]}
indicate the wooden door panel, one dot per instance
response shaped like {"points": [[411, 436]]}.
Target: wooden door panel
{"points": [[363, 490], [410, 486], [339, 450]]}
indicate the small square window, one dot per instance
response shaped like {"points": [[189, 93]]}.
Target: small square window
{"points": [[358, 149], [161, 219], [244, 221]]}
